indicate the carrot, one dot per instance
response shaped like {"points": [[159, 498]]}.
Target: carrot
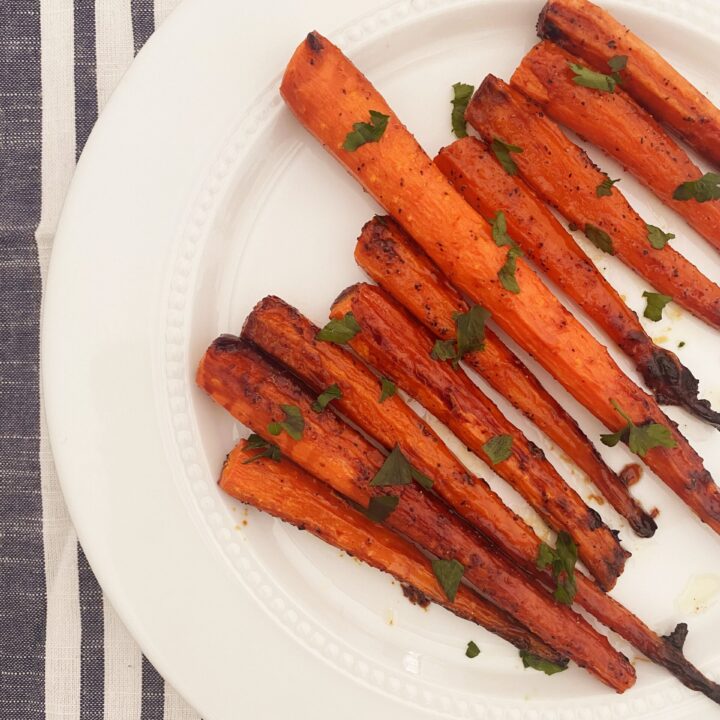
{"points": [[398, 346], [564, 176], [475, 172], [586, 30], [253, 391], [393, 423], [282, 332], [285, 490], [398, 265], [328, 95], [619, 126]]}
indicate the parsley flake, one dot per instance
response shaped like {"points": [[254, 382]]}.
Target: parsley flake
{"points": [[293, 424], [381, 507], [599, 238], [703, 189], [506, 273], [499, 230], [639, 438], [498, 448], [387, 389], [444, 350], [330, 393], [448, 574], [502, 151], [591, 79], [471, 329], [366, 132], [340, 331], [605, 187], [535, 662], [396, 470], [657, 238], [472, 650], [655, 305], [255, 442], [461, 97], [561, 560]]}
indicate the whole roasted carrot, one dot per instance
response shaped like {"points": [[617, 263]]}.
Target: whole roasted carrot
{"points": [[397, 345], [283, 489], [258, 393], [398, 265], [282, 332], [565, 177], [618, 125], [592, 33], [476, 173], [329, 96], [392, 423]]}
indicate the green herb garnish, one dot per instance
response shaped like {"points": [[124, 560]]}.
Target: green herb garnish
{"points": [[537, 663], [561, 560], [381, 506], [387, 389], [255, 442], [325, 397], [605, 187], [655, 304], [448, 573], [472, 650], [591, 79], [293, 424], [396, 470], [705, 188], [366, 132], [618, 63], [599, 238], [471, 330], [340, 331], [502, 152], [657, 238], [461, 97], [498, 448], [506, 273], [444, 350], [681, 344], [499, 230], [639, 438]]}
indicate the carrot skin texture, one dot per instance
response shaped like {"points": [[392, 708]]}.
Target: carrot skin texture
{"points": [[252, 390], [284, 490], [327, 94], [565, 177], [586, 30], [400, 347], [615, 123], [475, 172], [398, 265]]}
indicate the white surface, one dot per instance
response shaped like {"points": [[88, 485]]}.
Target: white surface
{"points": [[197, 195]]}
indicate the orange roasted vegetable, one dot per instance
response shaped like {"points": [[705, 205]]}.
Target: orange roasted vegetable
{"points": [[328, 95], [253, 390], [619, 126], [398, 265], [475, 172], [593, 34], [285, 490], [564, 176]]}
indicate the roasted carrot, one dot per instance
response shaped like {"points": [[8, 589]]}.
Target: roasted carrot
{"points": [[393, 423], [284, 490], [328, 95], [476, 173], [565, 177], [282, 332], [399, 347], [592, 33], [253, 390], [398, 265], [619, 126]]}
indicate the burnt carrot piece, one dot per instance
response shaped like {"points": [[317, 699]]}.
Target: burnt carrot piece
{"points": [[393, 423], [620, 127], [328, 95], [284, 490], [590, 32], [252, 389], [398, 265], [476, 173], [565, 177], [399, 347]]}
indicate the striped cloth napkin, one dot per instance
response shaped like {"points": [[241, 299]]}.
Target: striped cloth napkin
{"points": [[63, 651]]}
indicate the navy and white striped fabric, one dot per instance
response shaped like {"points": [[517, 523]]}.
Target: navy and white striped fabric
{"points": [[63, 651]]}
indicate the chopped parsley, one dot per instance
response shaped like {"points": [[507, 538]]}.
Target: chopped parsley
{"points": [[605, 187], [340, 331], [387, 389], [461, 97], [561, 560], [537, 663], [396, 470], [255, 442], [325, 397], [639, 438], [472, 650], [506, 273], [448, 574], [470, 334], [703, 189], [657, 238], [502, 151], [656, 302], [599, 238], [363, 132], [592, 79], [498, 448], [381, 507], [293, 424]]}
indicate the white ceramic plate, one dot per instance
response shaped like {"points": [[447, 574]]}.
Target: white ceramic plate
{"points": [[197, 195]]}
